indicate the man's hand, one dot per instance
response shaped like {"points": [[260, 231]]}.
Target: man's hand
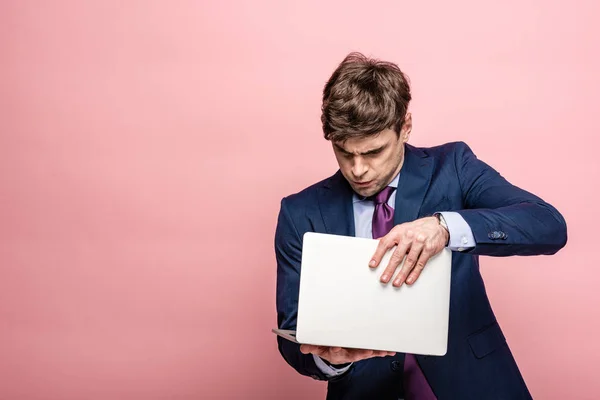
{"points": [[418, 240], [342, 355]]}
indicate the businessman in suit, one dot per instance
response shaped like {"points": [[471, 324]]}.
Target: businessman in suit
{"points": [[420, 200]]}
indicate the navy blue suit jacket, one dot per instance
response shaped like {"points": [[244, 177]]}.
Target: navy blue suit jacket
{"points": [[505, 221]]}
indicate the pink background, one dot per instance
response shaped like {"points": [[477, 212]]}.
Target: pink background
{"points": [[145, 146]]}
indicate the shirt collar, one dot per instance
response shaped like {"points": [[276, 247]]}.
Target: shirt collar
{"points": [[393, 183]]}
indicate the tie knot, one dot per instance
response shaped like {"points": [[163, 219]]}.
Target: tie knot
{"points": [[383, 196]]}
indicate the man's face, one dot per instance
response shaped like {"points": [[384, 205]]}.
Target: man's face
{"points": [[369, 164]]}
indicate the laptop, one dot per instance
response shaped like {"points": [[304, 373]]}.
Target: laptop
{"points": [[343, 303]]}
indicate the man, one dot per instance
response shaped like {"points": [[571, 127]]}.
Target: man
{"points": [[422, 200]]}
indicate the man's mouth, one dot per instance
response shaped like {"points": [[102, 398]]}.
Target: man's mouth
{"points": [[363, 184]]}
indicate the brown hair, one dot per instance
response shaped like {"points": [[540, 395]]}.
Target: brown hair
{"points": [[364, 96]]}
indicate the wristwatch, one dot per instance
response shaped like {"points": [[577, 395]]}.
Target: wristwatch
{"points": [[441, 220], [443, 223]]}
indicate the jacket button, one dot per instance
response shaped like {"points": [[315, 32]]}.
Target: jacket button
{"points": [[494, 235], [396, 365]]}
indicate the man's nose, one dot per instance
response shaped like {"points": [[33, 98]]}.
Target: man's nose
{"points": [[359, 168]]}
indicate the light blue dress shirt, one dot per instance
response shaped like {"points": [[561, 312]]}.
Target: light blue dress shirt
{"points": [[461, 238]]}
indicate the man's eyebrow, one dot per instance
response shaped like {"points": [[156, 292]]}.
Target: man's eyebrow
{"points": [[364, 153], [373, 151]]}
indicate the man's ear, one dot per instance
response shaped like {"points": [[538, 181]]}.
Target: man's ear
{"points": [[406, 128]]}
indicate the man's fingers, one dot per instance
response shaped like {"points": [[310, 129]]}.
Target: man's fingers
{"points": [[381, 353], [312, 349], [397, 256], [385, 243], [359, 354], [395, 261], [305, 348], [378, 353], [416, 272], [411, 258], [340, 355], [345, 355]]}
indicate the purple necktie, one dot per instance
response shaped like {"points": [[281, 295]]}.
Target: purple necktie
{"points": [[415, 383]]}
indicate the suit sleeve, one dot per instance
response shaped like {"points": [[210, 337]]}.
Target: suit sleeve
{"points": [[505, 220], [288, 252]]}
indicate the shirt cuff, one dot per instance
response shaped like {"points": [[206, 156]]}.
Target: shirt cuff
{"points": [[328, 369], [461, 235]]}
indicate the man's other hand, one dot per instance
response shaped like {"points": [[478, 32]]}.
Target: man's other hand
{"points": [[418, 240], [342, 355]]}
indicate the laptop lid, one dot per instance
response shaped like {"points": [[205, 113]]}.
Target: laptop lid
{"points": [[343, 303]]}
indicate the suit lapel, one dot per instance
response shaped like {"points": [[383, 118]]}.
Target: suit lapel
{"points": [[415, 177], [335, 202]]}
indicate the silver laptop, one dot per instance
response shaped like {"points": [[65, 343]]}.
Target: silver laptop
{"points": [[343, 303]]}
